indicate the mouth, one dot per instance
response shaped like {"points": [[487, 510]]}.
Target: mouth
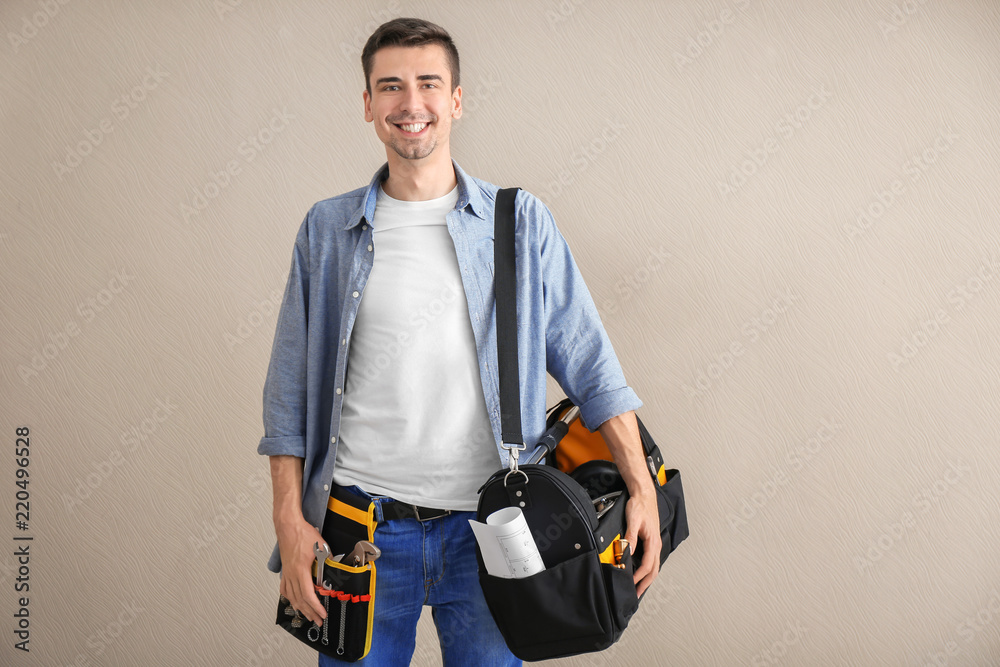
{"points": [[412, 129]]}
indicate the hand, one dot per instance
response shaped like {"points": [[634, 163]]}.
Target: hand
{"points": [[295, 543], [642, 519]]}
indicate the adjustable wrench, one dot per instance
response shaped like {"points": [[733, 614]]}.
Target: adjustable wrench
{"points": [[363, 552]]}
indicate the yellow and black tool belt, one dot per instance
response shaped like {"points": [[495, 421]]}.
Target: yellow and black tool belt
{"points": [[348, 593]]}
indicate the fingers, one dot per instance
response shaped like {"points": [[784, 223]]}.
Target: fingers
{"points": [[649, 568], [300, 592], [312, 609], [296, 579], [643, 524]]}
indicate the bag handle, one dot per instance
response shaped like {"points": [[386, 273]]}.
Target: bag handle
{"points": [[506, 304]]}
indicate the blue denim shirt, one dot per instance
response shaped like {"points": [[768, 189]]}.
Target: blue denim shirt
{"points": [[559, 329]]}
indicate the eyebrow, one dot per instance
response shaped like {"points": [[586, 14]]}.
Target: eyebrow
{"points": [[396, 79]]}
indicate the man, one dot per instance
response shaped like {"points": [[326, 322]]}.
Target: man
{"points": [[416, 422]]}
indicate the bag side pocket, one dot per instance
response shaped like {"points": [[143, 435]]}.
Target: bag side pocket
{"points": [[673, 519], [562, 610], [621, 595]]}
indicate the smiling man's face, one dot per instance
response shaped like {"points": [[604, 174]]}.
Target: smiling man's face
{"points": [[411, 103]]}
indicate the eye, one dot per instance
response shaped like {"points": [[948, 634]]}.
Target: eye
{"points": [[388, 87]]}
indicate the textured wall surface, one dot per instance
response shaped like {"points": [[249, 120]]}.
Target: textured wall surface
{"points": [[786, 212]]}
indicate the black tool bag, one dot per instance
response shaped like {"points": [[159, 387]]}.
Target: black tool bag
{"points": [[573, 505]]}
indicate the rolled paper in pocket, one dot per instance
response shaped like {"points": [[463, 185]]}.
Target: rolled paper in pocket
{"points": [[509, 551]]}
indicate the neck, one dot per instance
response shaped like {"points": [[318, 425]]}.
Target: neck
{"points": [[420, 180]]}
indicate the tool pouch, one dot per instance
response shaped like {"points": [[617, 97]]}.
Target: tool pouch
{"points": [[350, 599]]}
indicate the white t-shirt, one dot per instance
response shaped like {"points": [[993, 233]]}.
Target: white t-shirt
{"points": [[414, 424]]}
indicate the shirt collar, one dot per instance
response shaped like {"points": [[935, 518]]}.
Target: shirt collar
{"points": [[468, 195]]}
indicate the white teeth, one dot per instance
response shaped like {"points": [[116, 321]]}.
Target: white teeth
{"points": [[414, 128]]}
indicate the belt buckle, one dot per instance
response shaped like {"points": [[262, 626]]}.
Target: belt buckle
{"points": [[416, 513]]}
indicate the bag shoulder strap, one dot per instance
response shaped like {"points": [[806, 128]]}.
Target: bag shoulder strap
{"points": [[506, 316]]}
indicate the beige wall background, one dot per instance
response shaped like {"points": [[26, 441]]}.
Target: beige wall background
{"points": [[786, 212]]}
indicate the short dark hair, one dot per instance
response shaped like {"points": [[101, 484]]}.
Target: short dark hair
{"points": [[409, 32]]}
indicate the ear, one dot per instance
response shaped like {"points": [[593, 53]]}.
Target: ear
{"points": [[456, 102], [369, 116]]}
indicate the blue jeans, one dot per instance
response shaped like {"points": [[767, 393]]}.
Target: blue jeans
{"points": [[432, 563]]}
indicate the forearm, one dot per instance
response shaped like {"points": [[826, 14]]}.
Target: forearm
{"points": [[621, 434], [286, 481]]}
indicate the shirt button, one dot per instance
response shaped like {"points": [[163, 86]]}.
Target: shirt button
{"points": [[343, 341], [333, 440], [369, 247], [326, 487], [355, 295], [364, 226], [338, 390]]}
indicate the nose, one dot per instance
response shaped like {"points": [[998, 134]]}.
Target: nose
{"points": [[411, 101]]}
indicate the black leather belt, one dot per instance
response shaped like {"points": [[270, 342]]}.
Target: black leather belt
{"points": [[398, 510]]}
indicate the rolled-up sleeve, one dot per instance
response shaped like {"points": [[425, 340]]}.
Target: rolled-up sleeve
{"points": [[285, 385], [578, 352]]}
